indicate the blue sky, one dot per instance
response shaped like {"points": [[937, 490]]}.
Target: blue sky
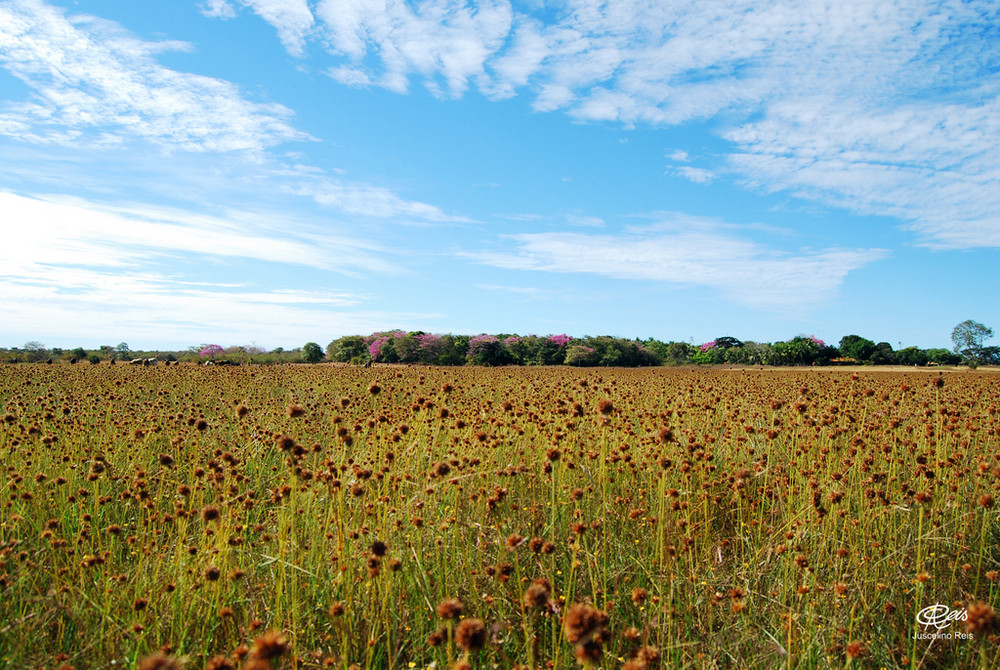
{"points": [[282, 171]]}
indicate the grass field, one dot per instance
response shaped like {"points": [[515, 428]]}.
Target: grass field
{"points": [[318, 516]]}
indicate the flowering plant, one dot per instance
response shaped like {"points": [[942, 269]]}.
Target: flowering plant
{"points": [[211, 350]]}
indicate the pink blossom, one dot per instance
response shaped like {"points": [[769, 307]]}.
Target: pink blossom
{"points": [[211, 350], [707, 346], [428, 340], [375, 348], [482, 338], [560, 340]]}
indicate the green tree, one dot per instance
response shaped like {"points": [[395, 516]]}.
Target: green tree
{"points": [[312, 352], [968, 338], [912, 356], [35, 351], [580, 356], [349, 349], [943, 357], [856, 347], [678, 353], [883, 354], [122, 351]]}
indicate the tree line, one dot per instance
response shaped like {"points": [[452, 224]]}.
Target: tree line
{"points": [[418, 347], [397, 346]]}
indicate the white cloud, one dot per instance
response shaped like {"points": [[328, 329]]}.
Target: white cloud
{"points": [[292, 19], [931, 166], [744, 271], [583, 220], [218, 9], [879, 106], [697, 175], [437, 39], [364, 199], [101, 269], [46, 233], [158, 311], [93, 84]]}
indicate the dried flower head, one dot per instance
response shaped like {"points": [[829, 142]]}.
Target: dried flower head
{"points": [[855, 650], [537, 595], [160, 661], [450, 608], [220, 662], [271, 644], [470, 635], [981, 619], [584, 622]]}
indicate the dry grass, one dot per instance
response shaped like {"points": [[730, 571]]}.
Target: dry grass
{"points": [[432, 517]]}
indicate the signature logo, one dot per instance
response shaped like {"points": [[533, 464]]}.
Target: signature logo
{"points": [[940, 616]]}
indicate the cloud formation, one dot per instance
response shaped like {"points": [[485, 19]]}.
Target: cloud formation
{"points": [[292, 18], [108, 270], [91, 83], [875, 106], [702, 255]]}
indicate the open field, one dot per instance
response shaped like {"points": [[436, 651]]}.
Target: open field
{"points": [[318, 516]]}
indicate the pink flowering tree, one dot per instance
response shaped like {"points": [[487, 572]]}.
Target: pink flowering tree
{"points": [[560, 340], [210, 351], [382, 346]]}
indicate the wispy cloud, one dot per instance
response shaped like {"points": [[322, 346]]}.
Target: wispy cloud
{"points": [[697, 175], [105, 308], [291, 18], [930, 166], [877, 106], [107, 271], [445, 42], [45, 233], [94, 84], [741, 270], [365, 199]]}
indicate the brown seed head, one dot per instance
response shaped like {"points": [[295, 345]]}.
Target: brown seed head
{"points": [[271, 644], [981, 619], [537, 595], [220, 662], [160, 661], [450, 608], [470, 635], [855, 650], [583, 622]]}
